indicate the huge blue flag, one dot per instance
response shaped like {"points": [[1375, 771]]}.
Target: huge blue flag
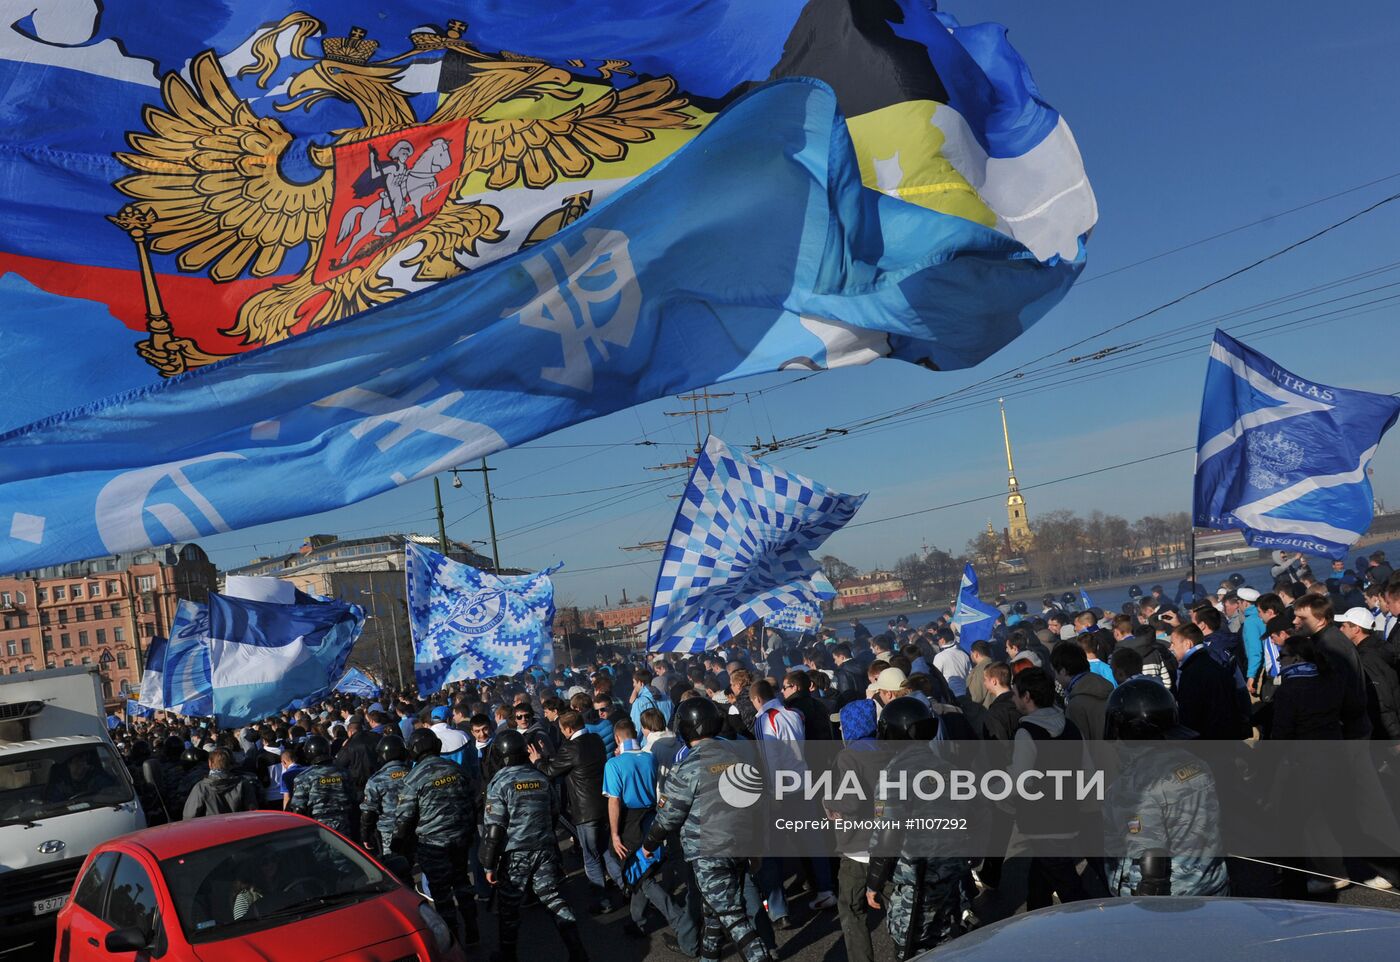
{"points": [[187, 688], [740, 549], [974, 618], [470, 624], [152, 690], [248, 312], [1283, 458], [263, 656]]}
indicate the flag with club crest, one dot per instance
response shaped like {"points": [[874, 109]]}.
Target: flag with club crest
{"points": [[974, 618], [264, 655], [469, 624], [741, 549], [1283, 458], [187, 689], [804, 617], [152, 692]]}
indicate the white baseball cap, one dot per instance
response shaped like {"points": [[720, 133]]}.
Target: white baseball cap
{"points": [[1247, 594], [1361, 617]]}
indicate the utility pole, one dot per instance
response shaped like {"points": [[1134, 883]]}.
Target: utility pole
{"points": [[699, 406], [442, 525], [490, 511]]}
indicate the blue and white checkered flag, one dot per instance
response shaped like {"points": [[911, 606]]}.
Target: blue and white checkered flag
{"points": [[470, 624], [741, 549], [1282, 458], [805, 617]]}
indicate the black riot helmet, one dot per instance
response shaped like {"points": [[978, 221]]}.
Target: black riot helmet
{"points": [[140, 751], [906, 719], [1134, 592], [423, 743], [1019, 607], [391, 749], [191, 757], [316, 749], [1236, 579], [1068, 599], [172, 747], [1140, 709], [1048, 600], [697, 719], [508, 747]]}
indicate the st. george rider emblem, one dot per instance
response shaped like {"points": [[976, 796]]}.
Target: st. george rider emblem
{"points": [[386, 188]]}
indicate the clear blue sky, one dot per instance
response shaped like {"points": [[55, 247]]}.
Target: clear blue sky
{"points": [[1193, 119]]}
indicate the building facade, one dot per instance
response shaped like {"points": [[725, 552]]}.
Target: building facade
{"points": [[103, 611], [623, 616], [878, 587], [368, 572]]}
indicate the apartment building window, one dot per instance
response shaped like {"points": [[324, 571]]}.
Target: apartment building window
{"points": [[19, 597], [121, 660], [68, 663], [87, 660], [5, 599], [82, 639], [48, 642], [60, 593], [148, 630], [25, 646], [43, 594], [63, 616], [43, 617], [116, 610], [146, 583], [77, 591], [24, 619], [65, 641], [94, 589], [11, 648], [80, 613], [102, 636], [112, 588], [147, 605], [119, 634]]}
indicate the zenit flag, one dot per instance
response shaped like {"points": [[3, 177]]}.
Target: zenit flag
{"points": [[469, 624], [973, 617], [1284, 458], [274, 261]]}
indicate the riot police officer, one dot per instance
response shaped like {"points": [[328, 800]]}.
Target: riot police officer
{"points": [[518, 848], [322, 790], [690, 802], [377, 810], [436, 817], [195, 764], [925, 897], [1161, 814]]}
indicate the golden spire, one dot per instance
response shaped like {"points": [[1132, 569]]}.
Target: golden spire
{"points": [[1018, 529]]}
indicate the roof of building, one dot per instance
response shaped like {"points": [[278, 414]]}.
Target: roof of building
{"points": [[344, 549], [169, 555]]}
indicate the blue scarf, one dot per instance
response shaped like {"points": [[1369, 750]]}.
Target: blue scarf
{"points": [[1300, 669]]}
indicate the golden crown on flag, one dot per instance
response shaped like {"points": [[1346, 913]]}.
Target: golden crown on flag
{"points": [[356, 48], [438, 41]]}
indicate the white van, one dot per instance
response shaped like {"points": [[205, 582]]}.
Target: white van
{"points": [[63, 790]]}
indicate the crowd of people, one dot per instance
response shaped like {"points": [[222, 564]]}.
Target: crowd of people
{"points": [[476, 785]]}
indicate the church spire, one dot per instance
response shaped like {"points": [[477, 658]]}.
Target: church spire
{"points": [[1018, 530]]}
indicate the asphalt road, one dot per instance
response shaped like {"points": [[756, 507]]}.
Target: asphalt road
{"points": [[815, 937]]}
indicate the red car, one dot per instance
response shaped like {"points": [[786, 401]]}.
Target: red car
{"points": [[238, 888]]}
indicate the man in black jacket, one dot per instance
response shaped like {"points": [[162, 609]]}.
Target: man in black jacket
{"points": [[358, 756], [1383, 685], [1314, 616], [850, 676], [580, 760], [797, 695], [1205, 689], [1001, 718]]}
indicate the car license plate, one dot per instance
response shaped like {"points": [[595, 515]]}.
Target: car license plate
{"points": [[52, 904]]}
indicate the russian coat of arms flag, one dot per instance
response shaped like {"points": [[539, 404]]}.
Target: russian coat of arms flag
{"points": [[267, 258]]}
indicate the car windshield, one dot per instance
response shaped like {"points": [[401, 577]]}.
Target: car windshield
{"points": [[60, 780], [268, 880]]}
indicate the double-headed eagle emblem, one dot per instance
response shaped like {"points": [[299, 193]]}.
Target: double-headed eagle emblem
{"points": [[393, 203]]}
